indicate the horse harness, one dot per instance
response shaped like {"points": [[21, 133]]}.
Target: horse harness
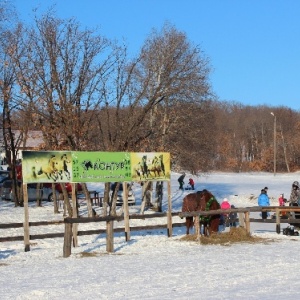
{"points": [[206, 219]]}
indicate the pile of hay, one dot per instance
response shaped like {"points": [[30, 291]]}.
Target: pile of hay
{"points": [[235, 235]]}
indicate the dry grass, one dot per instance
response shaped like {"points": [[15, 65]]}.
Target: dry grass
{"points": [[88, 254], [235, 235], [95, 254]]}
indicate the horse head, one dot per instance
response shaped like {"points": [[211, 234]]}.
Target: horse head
{"points": [[209, 202]]}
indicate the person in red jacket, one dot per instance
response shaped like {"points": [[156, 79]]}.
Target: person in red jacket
{"points": [[281, 201], [192, 183]]}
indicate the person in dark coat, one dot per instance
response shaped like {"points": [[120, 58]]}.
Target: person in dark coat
{"points": [[294, 198], [181, 182], [295, 193], [232, 218]]}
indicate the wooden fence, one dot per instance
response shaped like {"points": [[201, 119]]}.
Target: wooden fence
{"points": [[72, 223], [244, 221]]}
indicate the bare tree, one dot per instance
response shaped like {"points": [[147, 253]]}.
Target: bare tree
{"points": [[7, 86], [172, 68]]}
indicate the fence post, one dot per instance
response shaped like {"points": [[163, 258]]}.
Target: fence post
{"points": [[67, 240], [247, 221], [26, 219], [75, 214], [169, 212], [126, 211], [110, 236], [277, 220], [197, 226], [241, 220]]}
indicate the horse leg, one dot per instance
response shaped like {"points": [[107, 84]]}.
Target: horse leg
{"points": [[187, 225]]}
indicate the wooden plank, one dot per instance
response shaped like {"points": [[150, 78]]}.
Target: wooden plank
{"points": [[40, 223], [87, 232]]}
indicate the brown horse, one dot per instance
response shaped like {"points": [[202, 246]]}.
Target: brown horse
{"points": [[202, 201], [191, 202], [210, 222]]}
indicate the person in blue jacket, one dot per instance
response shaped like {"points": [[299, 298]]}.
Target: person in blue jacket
{"points": [[263, 200]]}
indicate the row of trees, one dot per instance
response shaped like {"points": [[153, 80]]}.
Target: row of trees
{"points": [[84, 92], [246, 135]]}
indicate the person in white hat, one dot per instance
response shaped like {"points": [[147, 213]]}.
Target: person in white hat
{"points": [[224, 217], [225, 204]]}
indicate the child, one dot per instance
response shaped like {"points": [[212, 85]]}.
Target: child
{"points": [[192, 183], [281, 200], [224, 217]]}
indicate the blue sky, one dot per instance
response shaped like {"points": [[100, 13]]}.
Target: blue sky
{"points": [[253, 45]]}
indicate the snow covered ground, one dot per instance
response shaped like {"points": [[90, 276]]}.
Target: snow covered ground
{"points": [[151, 265]]}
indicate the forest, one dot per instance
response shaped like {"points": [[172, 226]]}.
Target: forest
{"points": [[85, 92]]}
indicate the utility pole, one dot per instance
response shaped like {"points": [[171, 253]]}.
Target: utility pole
{"points": [[274, 142]]}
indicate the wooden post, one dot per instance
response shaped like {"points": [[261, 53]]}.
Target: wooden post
{"points": [[197, 226], [277, 220], [126, 212], [26, 219], [143, 204], [110, 236], [247, 221], [75, 215], [169, 212], [241, 220], [67, 240], [159, 195]]}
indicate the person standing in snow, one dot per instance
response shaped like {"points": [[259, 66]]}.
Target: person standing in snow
{"points": [[224, 217], [192, 183], [295, 194], [263, 200], [225, 204], [281, 201], [232, 218], [294, 197], [181, 182]]}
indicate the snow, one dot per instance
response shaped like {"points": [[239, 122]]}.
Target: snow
{"points": [[151, 265]]}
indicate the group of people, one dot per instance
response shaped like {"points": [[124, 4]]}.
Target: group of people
{"points": [[228, 220], [294, 200], [181, 182], [263, 199]]}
